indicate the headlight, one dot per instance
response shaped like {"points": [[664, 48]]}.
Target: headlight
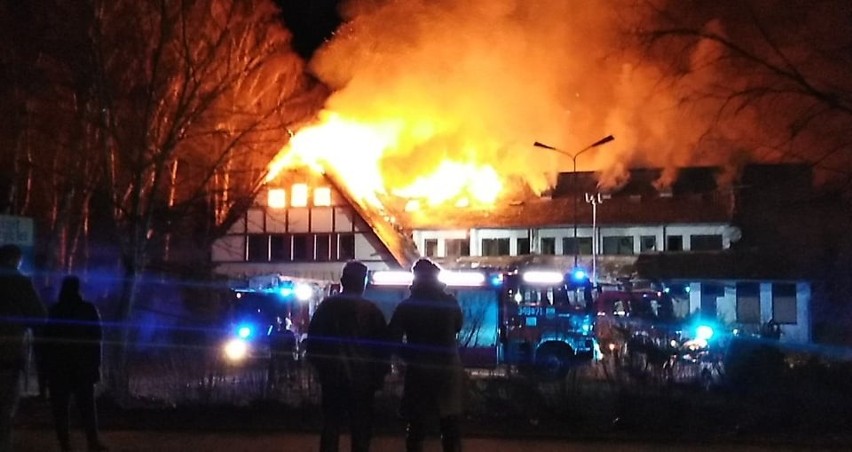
{"points": [[236, 349], [304, 292]]}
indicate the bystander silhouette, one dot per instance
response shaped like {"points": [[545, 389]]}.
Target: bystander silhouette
{"points": [[20, 309], [347, 346], [430, 320], [72, 344]]}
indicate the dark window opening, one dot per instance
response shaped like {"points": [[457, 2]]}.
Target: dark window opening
{"points": [[279, 248], [431, 247], [523, 246], [548, 245], [323, 247], [618, 245], [784, 303], [710, 294], [580, 245], [495, 247], [647, 243], [346, 247], [705, 242], [457, 247], [258, 248], [302, 247], [748, 303], [674, 243]]}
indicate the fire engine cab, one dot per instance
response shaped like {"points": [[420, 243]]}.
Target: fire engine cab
{"points": [[529, 319], [264, 308]]}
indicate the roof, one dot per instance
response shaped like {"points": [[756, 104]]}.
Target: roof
{"points": [[541, 212], [398, 244]]}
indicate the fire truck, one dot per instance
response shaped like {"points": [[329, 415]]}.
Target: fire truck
{"points": [[532, 319], [264, 308], [639, 331]]}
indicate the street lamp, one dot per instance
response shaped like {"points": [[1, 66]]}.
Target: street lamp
{"points": [[594, 200], [574, 156]]}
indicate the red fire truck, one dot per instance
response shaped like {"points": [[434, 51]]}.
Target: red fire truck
{"points": [[265, 308], [640, 332], [528, 319]]}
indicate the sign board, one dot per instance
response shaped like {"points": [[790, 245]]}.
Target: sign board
{"points": [[15, 230]]}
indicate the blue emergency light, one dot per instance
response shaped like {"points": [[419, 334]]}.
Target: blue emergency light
{"points": [[704, 332], [244, 331]]}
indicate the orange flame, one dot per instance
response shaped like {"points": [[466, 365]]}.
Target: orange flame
{"points": [[354, 151]]}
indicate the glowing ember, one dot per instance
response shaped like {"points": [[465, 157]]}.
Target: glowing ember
{"points": [[355, 151]]}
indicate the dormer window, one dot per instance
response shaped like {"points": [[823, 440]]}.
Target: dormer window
{"points": [[322, 196], [299, 193], [277, 198]]}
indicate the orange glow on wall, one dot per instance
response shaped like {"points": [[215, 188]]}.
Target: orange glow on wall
{"points": [[299, 194], [276, 198], [322, 196]]}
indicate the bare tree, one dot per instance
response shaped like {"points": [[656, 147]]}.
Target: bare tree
{"points": [[768, 75], [161, 117], [772, 77]]}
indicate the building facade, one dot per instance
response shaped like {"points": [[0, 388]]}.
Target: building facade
{"points": [[306, 225]]}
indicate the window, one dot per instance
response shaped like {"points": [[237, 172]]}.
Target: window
{"points": [[580, 245], [303, 248], [523, 246], [276, 198], [279, 248], [258, 248], [784, 303], [548, 245], [457, 247], [647, 243], [710, 294], [346, 247], [323, 247], [748, 303], [431, 247], [299, 195], [495, 247], [674, 243], [619, 245], [705, 242], [322, 196]]}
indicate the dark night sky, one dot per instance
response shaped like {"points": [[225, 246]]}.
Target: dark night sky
{"points": [[310, 21]]}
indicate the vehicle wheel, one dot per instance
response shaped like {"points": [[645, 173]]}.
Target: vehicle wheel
{"points": [[553, 363]]}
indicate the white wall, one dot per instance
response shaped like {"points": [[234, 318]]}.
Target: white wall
{"points": [[475, 235]]}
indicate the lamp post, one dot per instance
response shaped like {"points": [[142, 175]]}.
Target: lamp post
{"points": [[574, 156], [594, 200]]}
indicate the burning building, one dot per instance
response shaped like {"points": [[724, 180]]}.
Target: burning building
{"points": [[306, 223]]}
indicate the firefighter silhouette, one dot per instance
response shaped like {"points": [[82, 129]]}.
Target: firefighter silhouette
{"points": [[283, 350]]}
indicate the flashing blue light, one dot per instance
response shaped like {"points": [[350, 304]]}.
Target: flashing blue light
{"points": [[704, 332], [578, 275], [244, 331], [286, 291], [687, 289], [496, 280]]}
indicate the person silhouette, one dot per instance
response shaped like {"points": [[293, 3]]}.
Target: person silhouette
{"points": [[430, 320], [72, 346], [20, 309], [347, 345]]}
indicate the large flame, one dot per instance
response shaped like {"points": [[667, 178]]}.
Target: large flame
{"points": [[440, 101], [354, 151]]}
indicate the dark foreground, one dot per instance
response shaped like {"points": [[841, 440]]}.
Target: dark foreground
{"points": [[269, 428], [177, 407], [40, 440]]}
